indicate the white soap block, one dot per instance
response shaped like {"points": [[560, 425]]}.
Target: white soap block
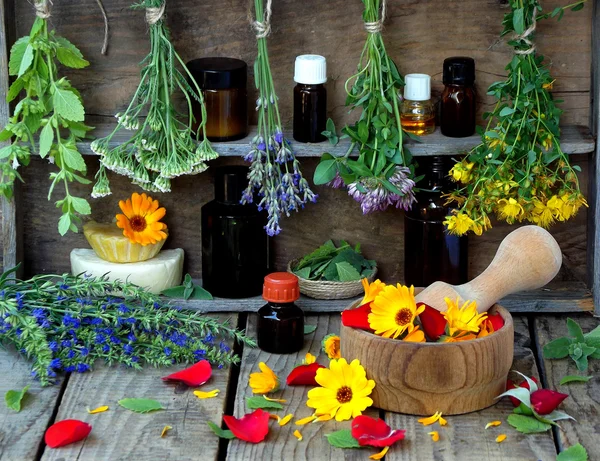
{"points": [[156, 274]]}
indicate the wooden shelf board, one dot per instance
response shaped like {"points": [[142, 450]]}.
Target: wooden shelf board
{"points": [[575, 140]]}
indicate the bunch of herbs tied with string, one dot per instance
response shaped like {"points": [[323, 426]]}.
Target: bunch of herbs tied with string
{"points": [[50, 108], [275, 174], [519, 171], [162, 146], [67, 323], [383, 174]]}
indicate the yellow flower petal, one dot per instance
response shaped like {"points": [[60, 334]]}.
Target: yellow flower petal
{"points": [[303, 421], [309, 359], [501, 438], [298, 435], [275, 417], [322, 418], [431, 419], [264, 382], [493, 424], [101, 409], [435, 436], [207, 395], [165, 430], [371, 290], [286, 419], [274, 400], [380, 455]]}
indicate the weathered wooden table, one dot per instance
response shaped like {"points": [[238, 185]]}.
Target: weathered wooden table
{"points": [[119, 434]]}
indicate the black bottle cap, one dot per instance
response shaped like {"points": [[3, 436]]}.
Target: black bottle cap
{"points": [[219, 73], [230, 182], [459, 70]]}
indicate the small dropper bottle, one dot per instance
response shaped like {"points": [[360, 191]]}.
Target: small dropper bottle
{"points": [[310, 98], [417, 113]]}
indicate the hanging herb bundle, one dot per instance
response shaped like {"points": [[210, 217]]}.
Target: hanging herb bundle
{"points": [[51, 109], [382, 176], [519, 171], [275, 171], [162, 146], [67, 323]]}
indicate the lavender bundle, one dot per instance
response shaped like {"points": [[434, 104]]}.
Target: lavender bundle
{"points": [[275, 172]]}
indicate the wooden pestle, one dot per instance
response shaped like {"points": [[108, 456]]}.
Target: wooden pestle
{"points": [[528, 258]]}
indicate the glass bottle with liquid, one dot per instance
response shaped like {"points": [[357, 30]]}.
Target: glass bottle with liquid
{"points": [[431, 254], [458, 106], [417, 113]]}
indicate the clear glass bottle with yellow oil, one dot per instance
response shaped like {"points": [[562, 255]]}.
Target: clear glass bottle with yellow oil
{"points": [[417, 113]]}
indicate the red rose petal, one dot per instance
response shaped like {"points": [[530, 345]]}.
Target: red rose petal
{"points": [[357, 318], [525, 384], [375, 432], [433, 322], [252, 427], [194, 376], [545, 401], [66, 432], [496, 320], [304, 375]]}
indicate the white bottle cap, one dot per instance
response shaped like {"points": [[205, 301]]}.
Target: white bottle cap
{"points": [[418, 87], [311, 69]]}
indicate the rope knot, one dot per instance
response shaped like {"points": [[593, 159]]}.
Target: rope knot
{"points": [[42, 10], [524, 37], [263, 28], [376, 26], [153, 15]]}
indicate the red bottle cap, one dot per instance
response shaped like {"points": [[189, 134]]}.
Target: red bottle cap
{"points": [[281, 287]]}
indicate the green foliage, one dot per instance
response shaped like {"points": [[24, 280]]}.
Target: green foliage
{"points": [[527, 424], [14, 399], [50, 108], [575, 379], [260, 402], [579, 346], [222, 433], [335, 264], [308, 329], [574, 453], [342, 439], [189, 290], [141, 405]]}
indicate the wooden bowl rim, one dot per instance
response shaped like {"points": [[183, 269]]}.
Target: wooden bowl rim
{"points": [[507, 327]]}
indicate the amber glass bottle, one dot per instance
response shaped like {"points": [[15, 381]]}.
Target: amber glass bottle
{"points": [[417, 113], [458, 106], [280, 328], [430, 253], [310, 98]]}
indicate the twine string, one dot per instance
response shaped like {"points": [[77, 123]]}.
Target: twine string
{"points": [[42, 9], [525, 38], [153, 15], [105, 18], [376, 26], [263, 28]]}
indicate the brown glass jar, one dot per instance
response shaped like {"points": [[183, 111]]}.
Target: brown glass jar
{"points": [[458, 105], [310, 98], [223, 82]]}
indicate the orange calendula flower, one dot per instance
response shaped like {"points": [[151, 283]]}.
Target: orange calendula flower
{"points": [[298, 435], [435, 436], [493, 424], [207, 395], [464, 318], [286, 419], [394, 311], [101, 409], [264, 382], [415, 336], [381, 454], [304, 421], [165, 430], [331, 346], [431, 419], [140, 220], [501, 438], [371, 290]]}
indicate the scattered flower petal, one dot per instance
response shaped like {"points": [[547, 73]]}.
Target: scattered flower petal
{"points": [[375, 432], [286, 419], [501, 438], [303, 421], [442, 421], [165, 430], [304, 375], [309, 359], [252, 427], [433, 322], [381, 454], [322, 418], [207, 395], [298, 435], [101, 409], [357, 318], [194, 376], [415, 336], [545, 401], [496, 320], [274, 400], [264, 382], [493, 424], [431, 419], [275, 417], [66, 432], [435, 436], [511, 385]]}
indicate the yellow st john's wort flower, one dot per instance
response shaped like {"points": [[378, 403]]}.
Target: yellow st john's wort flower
{"points": [[415, 336], [207, 395], [501, 438], [435, 436], [331, 346], [165, 430], [459, 223], [264, 382], [510, 209], [140, 220], [101, 409], [381, 454], [371, 290], [542, 214], [462, 319], [432, 419], [344, 391], [394, 311]]}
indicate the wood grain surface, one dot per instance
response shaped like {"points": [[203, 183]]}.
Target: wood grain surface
{"points": [[584, 398]]}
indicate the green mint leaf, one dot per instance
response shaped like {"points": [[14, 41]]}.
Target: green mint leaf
{"points": [[64, 224], [507, 111], [5, 135], [16, 55], [575, 330], [325, 172], [26, 60], [581, 362], [519, 21], [68, 105], [595, 333], [141, 405], [200, 293], [72, 158], [342, 439], [69, 55], [81, 205], [175, 292], [527, 424], [575, 379], [303, 273], [187, 292], [557, 349], [222, 433], [14, 90], [37, 26], [254, 403], [573, 453], [346, 272], [46, 139], [14, 399], [308, 329]]}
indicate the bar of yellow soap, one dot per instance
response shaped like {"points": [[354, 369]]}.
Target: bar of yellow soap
{"points": [[110, 244], [156, 274]]}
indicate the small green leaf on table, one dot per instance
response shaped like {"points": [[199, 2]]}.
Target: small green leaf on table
{"points": [[557, 349], [342, 439], [574, 453], [189, 290], [308, 329], [527, 424], [15, 398], [141, 405], [575, 379], [222, 433], [260, 402]]}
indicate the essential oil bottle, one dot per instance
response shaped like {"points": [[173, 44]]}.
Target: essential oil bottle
{"points": [[417, 113], [280, 327], [458, 106], [310, 98]]}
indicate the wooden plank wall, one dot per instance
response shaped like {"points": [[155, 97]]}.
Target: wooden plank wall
{"points": [[419, 35]]}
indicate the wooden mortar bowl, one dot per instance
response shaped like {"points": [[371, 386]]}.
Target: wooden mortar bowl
{"points": [[423, 378]]}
